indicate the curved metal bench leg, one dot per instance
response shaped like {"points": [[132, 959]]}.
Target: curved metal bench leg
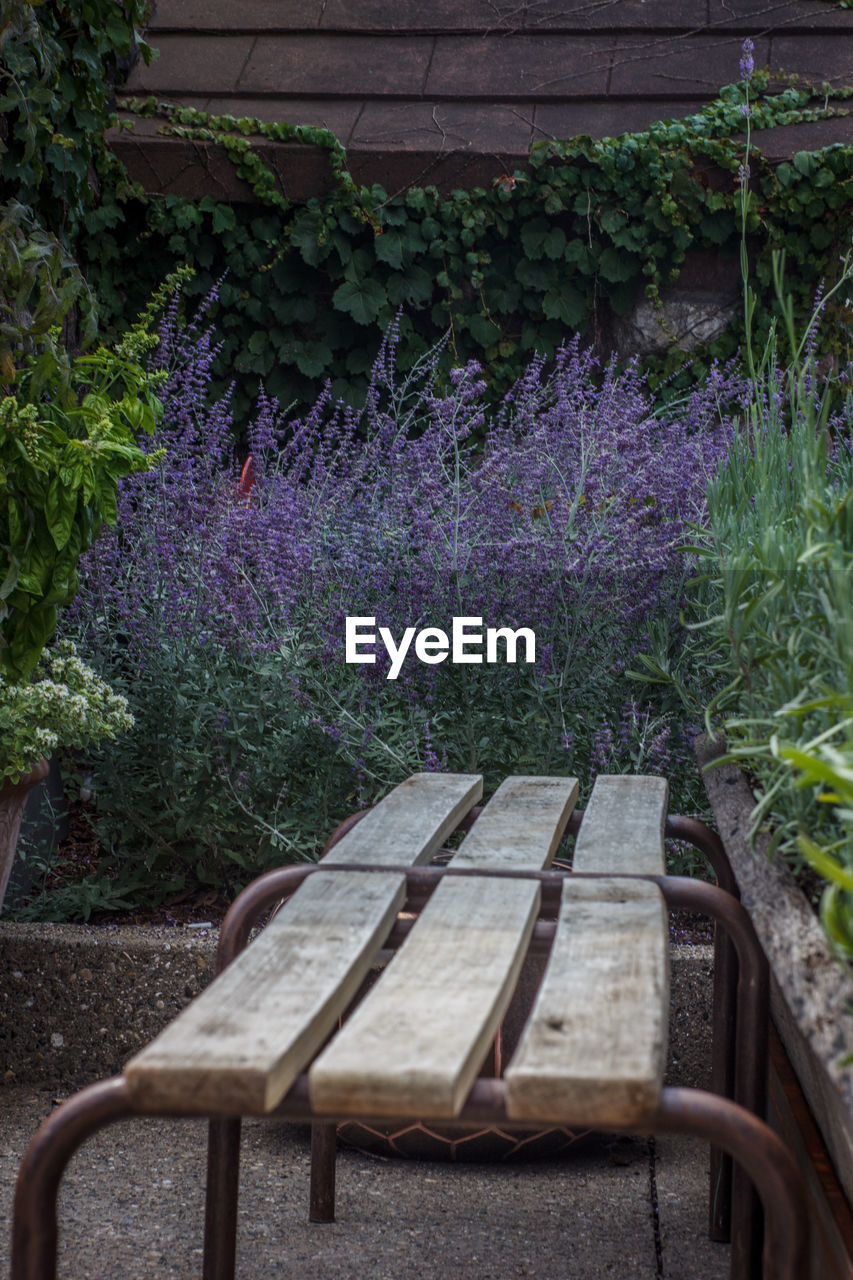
{"points": [[764, 1158], [748, 1046], [708, 842], [34, 1226]]}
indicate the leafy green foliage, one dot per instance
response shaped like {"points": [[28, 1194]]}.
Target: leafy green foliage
{"points": [[772, 613], [309, 288], [58, 63], [40, 283], [68, 429]]}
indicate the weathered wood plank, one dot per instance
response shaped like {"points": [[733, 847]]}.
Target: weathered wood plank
{"points": [[521, 825], [411, 823], [415, 1044], [622, 827], [239, 1046], [594, 1049]]}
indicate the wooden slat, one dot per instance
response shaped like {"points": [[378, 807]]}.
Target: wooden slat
{"points": [[416, 1043], [411, 823], [521, 825], [239, 1046], [594, 1049], [622, 828]]}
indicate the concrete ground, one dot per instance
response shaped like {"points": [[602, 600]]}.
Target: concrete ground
{"points": [[132, 1206]]}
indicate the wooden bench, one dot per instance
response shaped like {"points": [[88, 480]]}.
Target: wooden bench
{"points": [[261, 1039]]}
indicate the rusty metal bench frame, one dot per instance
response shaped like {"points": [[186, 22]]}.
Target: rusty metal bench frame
{"points": [[726, 1118]]}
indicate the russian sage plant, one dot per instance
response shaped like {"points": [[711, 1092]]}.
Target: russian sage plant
{"points": [[220, 609]]}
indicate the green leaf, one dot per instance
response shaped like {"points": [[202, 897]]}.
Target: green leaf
{"points": [[554, 243], [362, 299], [566, 304], [389, 248], [60, 507], [224, 218], [304, 236], [821, 235], [617, 267], [416, 286], [535, 275], [533, 236], [483, 330], [314, 359]]}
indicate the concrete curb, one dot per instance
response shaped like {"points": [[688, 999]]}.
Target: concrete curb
{"points": [[77, 1001]]}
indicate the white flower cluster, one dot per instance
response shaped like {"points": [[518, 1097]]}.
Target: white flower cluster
{"points": [[64, 704]]}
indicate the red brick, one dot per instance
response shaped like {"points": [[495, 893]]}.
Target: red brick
{"points": [[226, 15], [695, 66], [526, 68], [604, 119], [174, 166], [192, 64], [759, 15], [396, 171], [786, 140], [328, 65], [816, 58], [614, 15], [444, 126], [416, 15]]}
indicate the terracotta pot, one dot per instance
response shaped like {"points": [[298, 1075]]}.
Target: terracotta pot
{"points": [[811, 999], [13, 797]]}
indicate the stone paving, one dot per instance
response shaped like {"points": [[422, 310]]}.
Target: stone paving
{"points": [[454, 93], [132, 1206]]}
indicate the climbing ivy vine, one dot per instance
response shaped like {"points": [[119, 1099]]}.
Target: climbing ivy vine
{"points": [[305, 289], [58, 64]]}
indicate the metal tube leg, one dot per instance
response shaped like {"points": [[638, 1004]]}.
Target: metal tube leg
{"points": [[709, 843], [751, 1066], [722, 1077], [765, 1159], [751, 1040], [323, 1150], [223, 1183], [34, 1226]]}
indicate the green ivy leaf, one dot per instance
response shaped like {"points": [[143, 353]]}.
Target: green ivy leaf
{"points": [[314, 359], [224, 218], [535, 275], [533, 237], [389, 248], [617, 266], [483, 330], [362, 299], [566, 304]]}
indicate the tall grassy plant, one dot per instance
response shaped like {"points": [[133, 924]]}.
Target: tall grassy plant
{"points": [[772, 613]]}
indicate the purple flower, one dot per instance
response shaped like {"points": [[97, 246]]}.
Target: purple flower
{"points": [[747, 62], [562, 510]]}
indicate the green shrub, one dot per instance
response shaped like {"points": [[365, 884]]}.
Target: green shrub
{"points": [[772, 612]]}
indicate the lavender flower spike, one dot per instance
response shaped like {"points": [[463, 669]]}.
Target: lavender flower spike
{"points": [[747, 62]]}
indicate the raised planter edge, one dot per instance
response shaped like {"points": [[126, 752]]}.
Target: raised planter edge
{"points": [[811, 993]]}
